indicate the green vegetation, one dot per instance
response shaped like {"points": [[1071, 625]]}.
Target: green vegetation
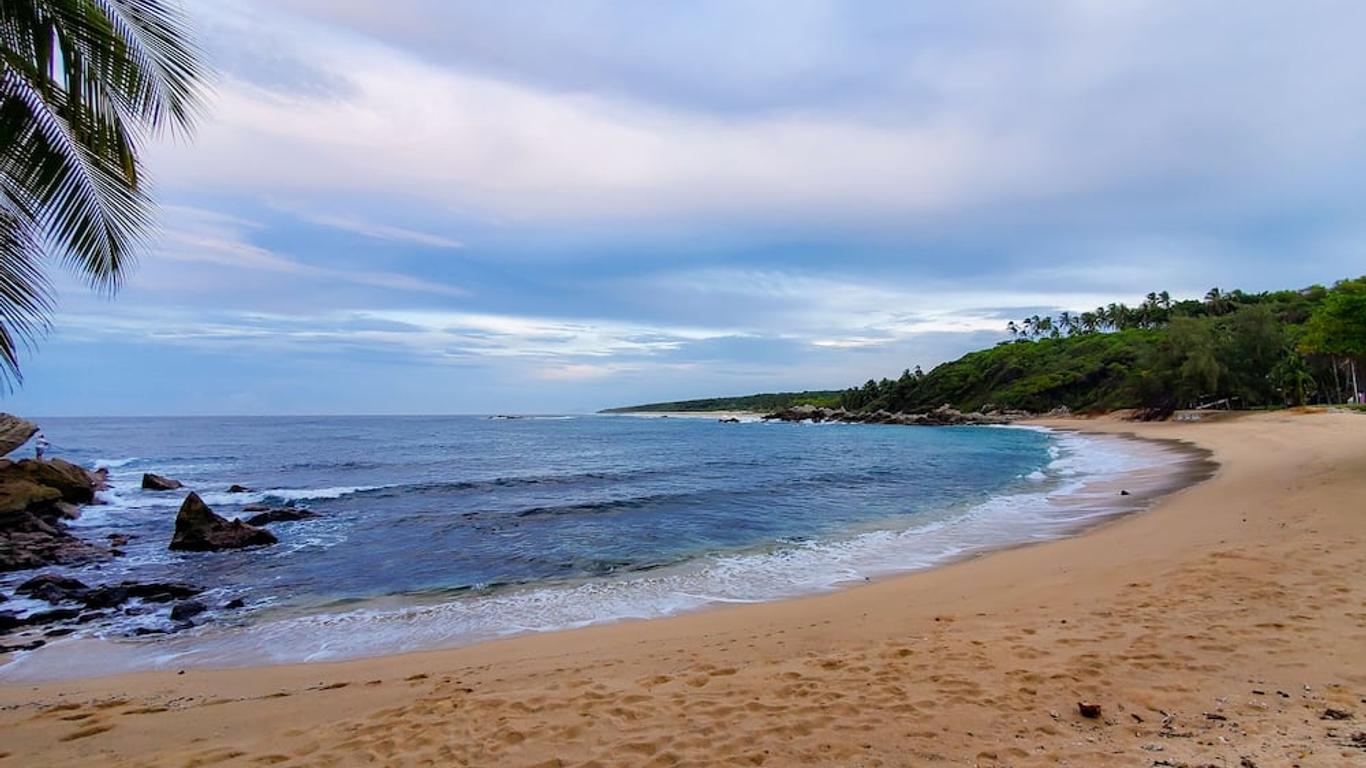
{"points": [[763, 403], [82, 84], [1233, 349]]}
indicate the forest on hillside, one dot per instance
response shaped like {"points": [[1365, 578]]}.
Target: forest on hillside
{"points": [[1230, 349]]}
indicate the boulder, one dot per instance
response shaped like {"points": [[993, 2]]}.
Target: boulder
{"points": [[187, 610], [28, 541], [19, 494], [52, 588], [106, 597], [198, 529], [238, 489], [161, 591], [14, 432], [48, 617], [281, 515], [77, 484], [151, 482]]}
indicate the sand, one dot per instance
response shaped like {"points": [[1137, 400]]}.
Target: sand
{"points": [[1216, 628]]}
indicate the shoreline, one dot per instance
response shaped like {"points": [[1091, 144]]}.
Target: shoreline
{"points": [[1079, 503], [1217, 598]]}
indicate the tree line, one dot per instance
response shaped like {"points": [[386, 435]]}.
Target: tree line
{"points": [[1231, 349]]}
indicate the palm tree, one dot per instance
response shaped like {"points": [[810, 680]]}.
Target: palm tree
{"points": [[82, 84], [1216, 302], [1068, 322], [1090, 323], [1012, 329]]}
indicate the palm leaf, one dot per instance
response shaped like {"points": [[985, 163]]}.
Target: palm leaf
{"points": [[82, 83]]}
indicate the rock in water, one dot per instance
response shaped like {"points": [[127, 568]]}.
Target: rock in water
{"points": [[234, 488], [187, 610], [151, 482], [14, 432], [282, 515], [198, 529]]}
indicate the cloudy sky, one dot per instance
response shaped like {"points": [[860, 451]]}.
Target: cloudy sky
{"points": [[434, 206]]}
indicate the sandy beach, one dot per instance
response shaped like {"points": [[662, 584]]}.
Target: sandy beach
{"points": [[1226, 626]]}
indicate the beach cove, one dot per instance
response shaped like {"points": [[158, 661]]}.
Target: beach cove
{"points": [[1222, 624]]}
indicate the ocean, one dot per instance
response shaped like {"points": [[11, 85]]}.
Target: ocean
{"points": [[441, 531]]}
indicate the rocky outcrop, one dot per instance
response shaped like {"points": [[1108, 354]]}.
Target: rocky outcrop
{"points": [[76, 603], [281, 515], [14, 432], [235, 488], [32, 485], [198, 529], [36, 500], [944, 415], [151, 482], [54, 588]]}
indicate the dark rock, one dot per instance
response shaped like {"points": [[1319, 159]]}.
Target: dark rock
{"points": [[27, 541], [1088, 710], [144, 631], [238, 489], [9, 620], [151, 482], [198, 529], [3, 597], [54, 615], [119, 539], [46, 581], [282, 515], [731, 420], [86, 618], [1123, 493], [944, 415], [161, 591], [59, 632], [1335, 714], [234, 604], [187, 610], [257, 507], [33, 646], [106, 597]]}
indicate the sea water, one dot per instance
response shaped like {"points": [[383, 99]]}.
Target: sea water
{"points": [[439, 531]]}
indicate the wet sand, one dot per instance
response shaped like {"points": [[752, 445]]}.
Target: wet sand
{"points": [[1220, 625]]}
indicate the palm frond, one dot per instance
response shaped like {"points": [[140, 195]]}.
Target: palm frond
{"points": [[25, 296], [82, 84]]}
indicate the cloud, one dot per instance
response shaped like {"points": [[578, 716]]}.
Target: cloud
{"points": [[381, 231], [208, 237], [1070, 100]]}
